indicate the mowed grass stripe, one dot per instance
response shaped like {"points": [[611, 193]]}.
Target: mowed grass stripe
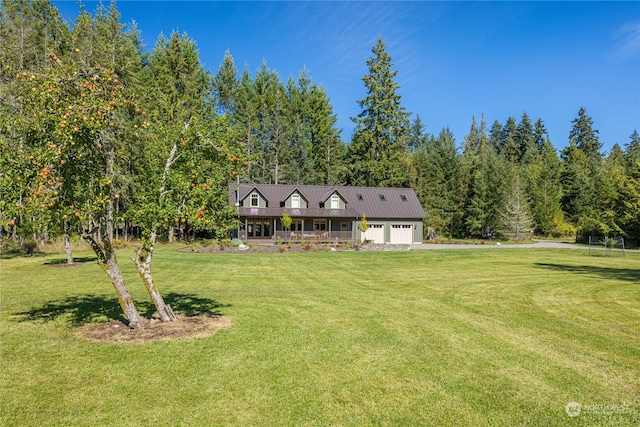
{"points": [[500, 337]]}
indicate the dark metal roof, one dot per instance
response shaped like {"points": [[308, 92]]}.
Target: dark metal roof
{"points": [[370, 203]]}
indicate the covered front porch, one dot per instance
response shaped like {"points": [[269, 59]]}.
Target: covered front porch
{"points": [[301, 229]]}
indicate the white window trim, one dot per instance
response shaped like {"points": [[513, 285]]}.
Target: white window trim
{"points": [[335, 202], [295, 200]]}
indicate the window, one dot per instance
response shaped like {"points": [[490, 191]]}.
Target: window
{"points": [[360, 196], [403, 197], [319, 224], [382, 197], [295, 201], [335, 202], [255, 202]]}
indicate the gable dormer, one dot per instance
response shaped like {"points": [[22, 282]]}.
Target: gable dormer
{"points": [[296, 200], [254, 199], [334, 200]]}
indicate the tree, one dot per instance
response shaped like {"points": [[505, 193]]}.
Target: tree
{"points": [[525, 137], [516, 219], [632, 148], [285, 220], [582, 161], [225, 85], [179, 87], [29, 32], [316, 151], [542, 172], [585, 137], [486, 178], [509, 145], [378, 149], [438, 181], [73, 121], [363, 227]]}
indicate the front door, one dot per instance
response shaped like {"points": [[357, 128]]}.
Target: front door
{"points": [[258, 228]]}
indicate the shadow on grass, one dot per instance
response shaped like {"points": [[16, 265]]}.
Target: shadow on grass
{"points": [[80, 310], [629, 274], [76, 260]]}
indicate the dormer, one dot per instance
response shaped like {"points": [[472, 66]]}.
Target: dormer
{"points": [[255, 199], [296, 200], [334, 200]]}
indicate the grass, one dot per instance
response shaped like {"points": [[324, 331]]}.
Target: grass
{"points": [[472, 337]]}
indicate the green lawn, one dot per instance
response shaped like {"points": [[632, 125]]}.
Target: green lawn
{"points": [[468, 337]]}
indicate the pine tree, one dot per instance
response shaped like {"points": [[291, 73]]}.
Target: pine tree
{"points": [[378, 149]]}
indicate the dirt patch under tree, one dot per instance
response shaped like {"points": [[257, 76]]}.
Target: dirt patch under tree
{"points": [[185, 327]]}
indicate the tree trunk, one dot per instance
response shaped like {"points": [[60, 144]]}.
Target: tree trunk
{"points": [[143, 264], [106, 253], [67, 248], [67, 243], [108, 262]]}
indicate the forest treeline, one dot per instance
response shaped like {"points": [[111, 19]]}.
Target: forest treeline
{"points": [[100, 136]]}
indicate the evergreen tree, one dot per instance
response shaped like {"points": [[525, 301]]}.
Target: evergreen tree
{"points": [[577, 183], [417, 134], [585, 137], [516, 217], [437, 184], [540, 134], [609, 185], [246, 115], [525, 136], [632, 148], [495, 136], [542, 172], [486, 178], [225, 85], [509, 143], [378, 149]]}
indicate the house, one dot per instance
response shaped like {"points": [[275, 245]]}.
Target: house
{"points": [[327, 213]]}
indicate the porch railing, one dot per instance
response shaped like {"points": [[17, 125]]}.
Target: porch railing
{"points": [[315, 236]]}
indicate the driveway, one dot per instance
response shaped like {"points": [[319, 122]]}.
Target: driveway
{"points": [[539, 244]]}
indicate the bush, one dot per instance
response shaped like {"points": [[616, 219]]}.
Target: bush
{"points": [[9, 246], [29, 247]]}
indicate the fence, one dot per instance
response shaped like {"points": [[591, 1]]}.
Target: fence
{"points": [[610, 245]]}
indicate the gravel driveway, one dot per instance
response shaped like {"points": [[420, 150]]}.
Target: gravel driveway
{"points": [[538, 244]]}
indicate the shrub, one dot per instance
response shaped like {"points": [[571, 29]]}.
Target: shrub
{"points": [[29, 247], [9, 246]]}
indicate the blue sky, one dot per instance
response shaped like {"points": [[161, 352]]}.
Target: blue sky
{"points": [[454, 60]]}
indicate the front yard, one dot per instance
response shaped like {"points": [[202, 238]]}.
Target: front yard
{"points": [[508, 337]]}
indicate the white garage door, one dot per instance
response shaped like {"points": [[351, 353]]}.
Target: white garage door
{"points": [[375, 233], [402, 233]]}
